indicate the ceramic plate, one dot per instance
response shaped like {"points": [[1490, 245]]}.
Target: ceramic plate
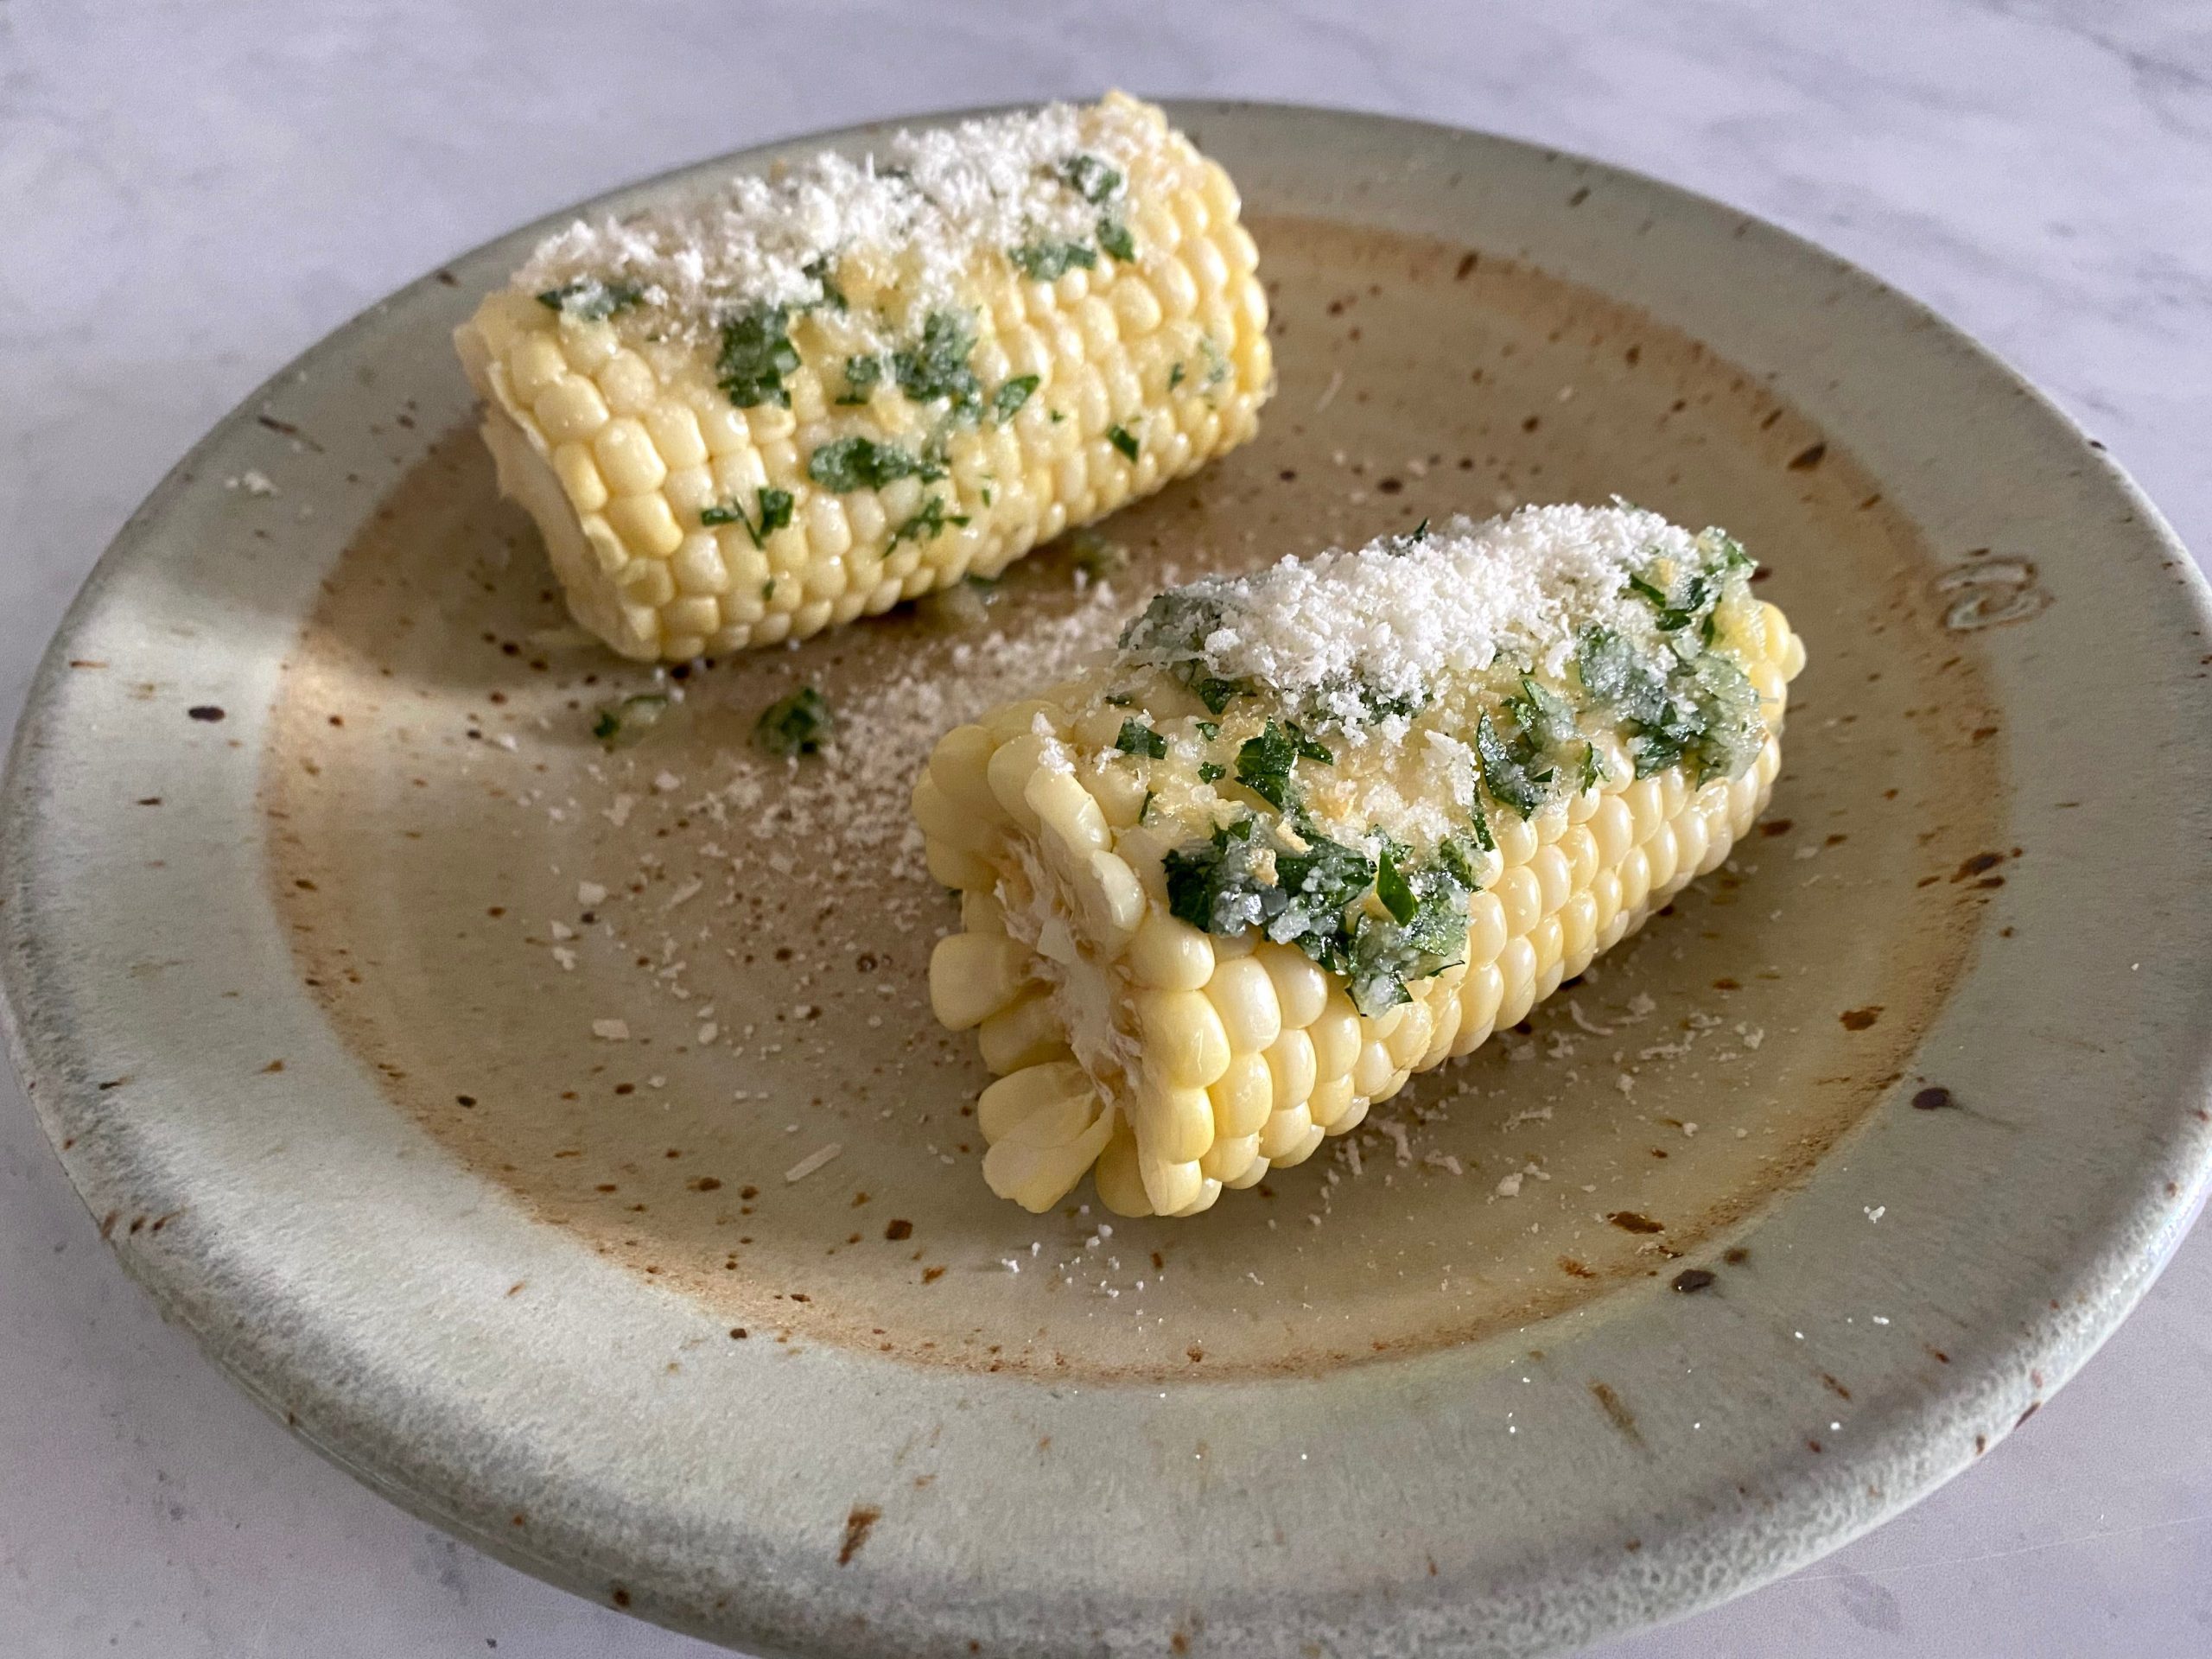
{"points": [[321, 901]]}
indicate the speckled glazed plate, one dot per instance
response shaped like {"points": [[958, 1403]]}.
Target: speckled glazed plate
{"points": [[317, 886]]}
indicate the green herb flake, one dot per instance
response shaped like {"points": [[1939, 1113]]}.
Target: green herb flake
{"points": [[1006, 401], [936, 367], [1208, 729], [1216, 693], [929, 524], [1505, 773], [591, 298], [775, 510], [1309, 750], [775, 513], [1592, 771], [1546, 718], [1174, 377], [1091, 177], [1213, 886], [627, 720], [1144, 812], [1453, 854], [1394, 890], [796, 725], [1426, 929], [1113, 237], [1048, 261], [1120, 699], [820, 268], [862, 376], [756, 355], [1317, 885], [860, 463], [1264, 763], [1124, 441], [1212, 771], [1137, 738]]}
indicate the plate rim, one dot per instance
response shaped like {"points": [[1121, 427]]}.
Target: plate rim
{"points": [[2119, 1276]]}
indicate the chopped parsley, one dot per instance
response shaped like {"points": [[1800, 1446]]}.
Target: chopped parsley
{"points": [[1124, 441], [1048, 261], [1465, 868], [1264, 763], [1392, 888], [1427, 932], [627, 720], [1319, 884], [929, 524], [1208, 729], [860, 463], [1137, 738], [1006, 401], [1212, 771], [1505, 771], [1703, 712], [756, 355], [1686, 599], [775, 513], [819, 269], [591, 298], [936, 366], [1213, 886], [1313, 902], [862, 376], [1113, 237], [1175, 376], [796, 725], [1546, 718], [1091, 177], [1214, 693]]}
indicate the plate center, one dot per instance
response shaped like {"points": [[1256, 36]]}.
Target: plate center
{"points": [[648, 989]]}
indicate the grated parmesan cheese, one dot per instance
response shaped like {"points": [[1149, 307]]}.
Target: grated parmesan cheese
{"points": [[928, 201], [1386, 620], [812, 1162]]}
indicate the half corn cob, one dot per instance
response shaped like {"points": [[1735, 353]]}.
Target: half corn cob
{"points": [[1316, 829], [740, 420]]}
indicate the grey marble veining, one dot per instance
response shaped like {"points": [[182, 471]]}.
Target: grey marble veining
{"points": [[195, 195]]}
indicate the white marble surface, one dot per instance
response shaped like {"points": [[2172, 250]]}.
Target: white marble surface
{"points": [[193, 193]]}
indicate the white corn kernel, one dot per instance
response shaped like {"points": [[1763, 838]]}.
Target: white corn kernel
{"points": [[1184, 1040], [1026, 1033], [1244, 996], [1169, 954], [1242, 1095], [973, 975], [1291, 1069]]}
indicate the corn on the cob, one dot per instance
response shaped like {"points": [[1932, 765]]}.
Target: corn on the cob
{"points": [[740, 422], [1312, 831]]}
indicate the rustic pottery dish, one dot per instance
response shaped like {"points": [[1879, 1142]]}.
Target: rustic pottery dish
{"points": [[557, 1137]]}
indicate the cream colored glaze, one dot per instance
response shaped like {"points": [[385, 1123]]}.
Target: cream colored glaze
{"points": [[423, 889]]}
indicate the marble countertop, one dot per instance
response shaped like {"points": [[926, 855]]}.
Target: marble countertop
{"points": [[196, 194]]}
